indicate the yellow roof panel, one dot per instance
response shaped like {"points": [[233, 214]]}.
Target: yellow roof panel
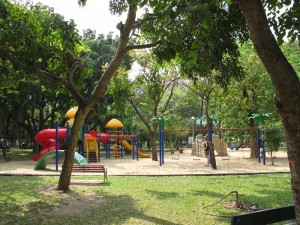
{"points": [[71, 112], [114, 124]]}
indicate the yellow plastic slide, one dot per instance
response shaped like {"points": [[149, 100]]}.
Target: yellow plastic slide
{"points": [[129, 147]]}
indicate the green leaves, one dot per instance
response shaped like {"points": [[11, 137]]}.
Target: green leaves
{"points": [[201, 34], [38, 36], [117, 7], [260, 117], [272, 136], [160, 120], [283, 18]]}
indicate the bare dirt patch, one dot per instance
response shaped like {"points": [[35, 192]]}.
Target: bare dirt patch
{"points": [[70, 202]]}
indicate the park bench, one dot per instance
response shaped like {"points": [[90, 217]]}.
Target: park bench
{"points": [[91, 168], [267, 216]]}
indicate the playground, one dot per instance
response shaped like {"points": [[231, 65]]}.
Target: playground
{"points": [[114, 143], [116, 151], [238, 162]]}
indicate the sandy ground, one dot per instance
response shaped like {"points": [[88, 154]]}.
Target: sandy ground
{"points": [[237, 162]]}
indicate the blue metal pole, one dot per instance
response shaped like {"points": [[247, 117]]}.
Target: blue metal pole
{"points": [[108, 150], [108, 145], [137, 148], [258, 144], [163, 145], [210, 141], [56, 145], [133, 147], [263, 151], [160, 148], [82, 138], [68, 130], [99, 146]]}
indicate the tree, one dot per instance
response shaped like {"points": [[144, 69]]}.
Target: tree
{"points": [[202, 34], [204, 87], [283, 76], [30, 105], [272, 137], [54, 56], [102, 49], [152, 93], [252, 93], [182, 107], [195, 25], [119, 90]]}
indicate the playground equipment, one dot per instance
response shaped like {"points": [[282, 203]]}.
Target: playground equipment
{"points": [[47, 157], [115, 126], [49, 139], [220, 145], [260, 144], [130, 148], [91, 147]]}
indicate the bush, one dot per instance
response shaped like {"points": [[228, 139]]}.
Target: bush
{"points": [[272, 136]]}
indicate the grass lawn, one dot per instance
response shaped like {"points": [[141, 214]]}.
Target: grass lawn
{"points": [[138, 200]]}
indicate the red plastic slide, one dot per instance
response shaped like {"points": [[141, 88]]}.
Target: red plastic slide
{"points": [[46, 138]]}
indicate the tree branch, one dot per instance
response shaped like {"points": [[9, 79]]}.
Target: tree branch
{"points": [[170, 95], [131, 47], [130, 100], [102, 83], [77, 64], [7, 54]]}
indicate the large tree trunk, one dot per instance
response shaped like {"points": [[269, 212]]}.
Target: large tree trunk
{"points": [[286, 83], [86, 105], [253, 145], [65, 176]]}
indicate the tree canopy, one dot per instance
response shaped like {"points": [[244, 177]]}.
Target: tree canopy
{"points": [[204, 36]]}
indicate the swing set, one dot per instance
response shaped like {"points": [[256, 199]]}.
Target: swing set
{"points": [[232, 144]]}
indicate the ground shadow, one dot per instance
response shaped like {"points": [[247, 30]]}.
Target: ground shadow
{"points": [[163, 195]]}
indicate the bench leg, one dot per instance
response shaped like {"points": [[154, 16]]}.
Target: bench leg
{"points": [[105, 176]]}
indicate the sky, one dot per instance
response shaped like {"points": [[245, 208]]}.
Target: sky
{"points": [[94, 15]]}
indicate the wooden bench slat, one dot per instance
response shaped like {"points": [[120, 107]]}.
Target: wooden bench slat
{"points": [[91, 168]]}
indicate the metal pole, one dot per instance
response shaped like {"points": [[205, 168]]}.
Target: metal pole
{"points": [[263, 151], [56, 145], [133, 147], [99, 146], [210, 141], [160, 148], [137, 147], [68, 130], [82, 138], [162, 145], [258, 144]]}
